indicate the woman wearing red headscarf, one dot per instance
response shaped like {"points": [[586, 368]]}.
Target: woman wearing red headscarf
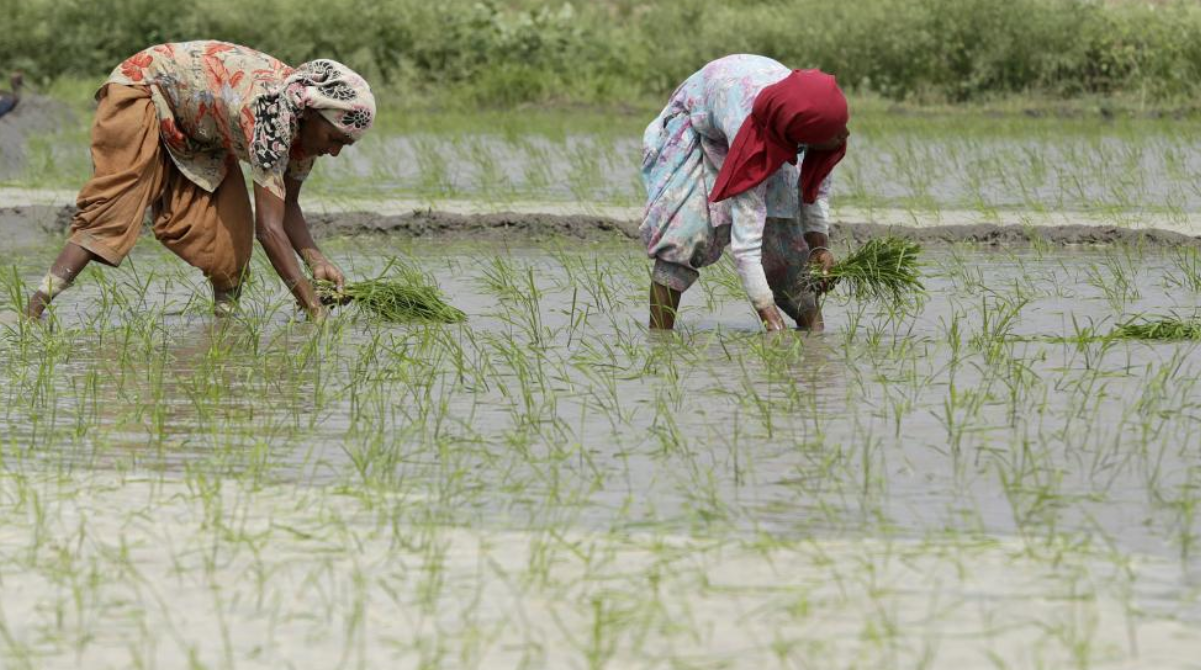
{"points": [[720, 169]]}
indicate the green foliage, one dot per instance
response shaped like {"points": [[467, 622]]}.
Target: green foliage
{"points": [[399, 294], [1163, 328], [518, 51], [886, 268]]}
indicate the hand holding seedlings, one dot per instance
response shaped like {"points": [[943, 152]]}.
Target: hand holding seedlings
{"points": [[323, 270], [821, 262], [400, 293], [885, 268]]}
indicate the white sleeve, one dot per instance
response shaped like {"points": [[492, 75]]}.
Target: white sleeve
{"points": [[815, 216], [749, 212]]}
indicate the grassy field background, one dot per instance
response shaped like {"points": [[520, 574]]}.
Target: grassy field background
{"points": [[624, 52]]}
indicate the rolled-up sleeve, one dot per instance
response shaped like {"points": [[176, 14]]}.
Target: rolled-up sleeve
{"points": [[749, 213]]}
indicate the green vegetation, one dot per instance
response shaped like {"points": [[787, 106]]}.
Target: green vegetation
{"points": [[1120, 172], [989, 476], [401, 293], [623, 51], [547, 485], [885, 268], [1159, 328]]}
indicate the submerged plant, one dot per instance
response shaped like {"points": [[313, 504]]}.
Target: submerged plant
{"points": [[399, 293], [884, 268], [1163, 328]]}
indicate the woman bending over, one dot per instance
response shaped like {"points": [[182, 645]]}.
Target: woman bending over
{"points": [[172, 124]]}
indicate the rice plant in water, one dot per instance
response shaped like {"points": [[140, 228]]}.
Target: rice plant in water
{"points": [[399, 293], [885, 268], [1161, 328]]}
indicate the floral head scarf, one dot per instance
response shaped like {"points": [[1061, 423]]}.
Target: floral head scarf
{"points": [[335, 91]]}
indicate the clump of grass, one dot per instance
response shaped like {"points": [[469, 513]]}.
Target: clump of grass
{"points": [[1162, 328], [885, 268], [400, 293]]}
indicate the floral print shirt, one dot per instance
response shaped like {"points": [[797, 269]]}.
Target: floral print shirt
{"points": [[206, 94], [683, 151]]}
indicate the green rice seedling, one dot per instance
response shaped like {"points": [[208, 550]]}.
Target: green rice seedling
{"points": [[1186, 261], [400, 293], [885, 268], [436, 179], [1158, 328], [1117, 276]]}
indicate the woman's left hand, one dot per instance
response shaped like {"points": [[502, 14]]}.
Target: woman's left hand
{"points": [[821, 262]]}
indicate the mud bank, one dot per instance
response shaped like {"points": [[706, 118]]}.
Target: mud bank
{"points": [[27, 224], [1008, 236], [537, 226], [427, 223]]}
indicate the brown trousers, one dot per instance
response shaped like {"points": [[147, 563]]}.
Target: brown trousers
{"points": [[133, 171]]}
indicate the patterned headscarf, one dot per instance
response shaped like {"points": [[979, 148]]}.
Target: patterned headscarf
{"points": [[335, 91]]}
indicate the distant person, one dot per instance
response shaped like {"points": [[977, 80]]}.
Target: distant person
{"points": [[10, 99], [719, 165], [172, 123]]}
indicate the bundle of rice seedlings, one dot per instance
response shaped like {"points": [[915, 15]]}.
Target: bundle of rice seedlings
{"points": [[1158, 328], [400, 293], [884, 268]]}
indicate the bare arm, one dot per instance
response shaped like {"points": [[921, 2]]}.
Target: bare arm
{"points": [[815, 221], [297, 229], [269, 215]]}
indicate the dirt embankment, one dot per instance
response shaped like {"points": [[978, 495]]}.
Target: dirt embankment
{"points": [[22, 223], [1003, 236], [426, 223]]}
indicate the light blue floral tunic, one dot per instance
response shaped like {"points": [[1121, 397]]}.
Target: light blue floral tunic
{"points": [[683, 151]]}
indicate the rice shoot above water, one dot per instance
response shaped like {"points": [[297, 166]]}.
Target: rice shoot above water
{"points": [[884, 268], [1159, 328], [399, 294]]}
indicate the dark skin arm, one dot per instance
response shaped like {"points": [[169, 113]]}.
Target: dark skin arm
{"points": [[297, 229], [269, 215], [821, 261]]}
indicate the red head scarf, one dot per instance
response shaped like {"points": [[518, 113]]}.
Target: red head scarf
{"points": [[806, 107]]}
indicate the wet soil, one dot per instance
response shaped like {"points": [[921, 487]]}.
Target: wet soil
{"points": [[26, 223]]}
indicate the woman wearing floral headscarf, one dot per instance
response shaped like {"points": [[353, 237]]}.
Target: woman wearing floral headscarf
{"points": [[719, 165], [172, 123]]}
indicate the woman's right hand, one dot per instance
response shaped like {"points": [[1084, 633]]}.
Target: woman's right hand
{"points": [[770, 316]]}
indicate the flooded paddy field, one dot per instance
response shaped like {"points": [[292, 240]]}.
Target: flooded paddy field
{"points": [[921, 164], [927, 163], [975, 479]]}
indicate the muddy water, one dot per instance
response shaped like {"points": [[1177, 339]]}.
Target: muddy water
{"points": [[1097, 168], [962, 414], [1087, 166], [966, 416]]}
